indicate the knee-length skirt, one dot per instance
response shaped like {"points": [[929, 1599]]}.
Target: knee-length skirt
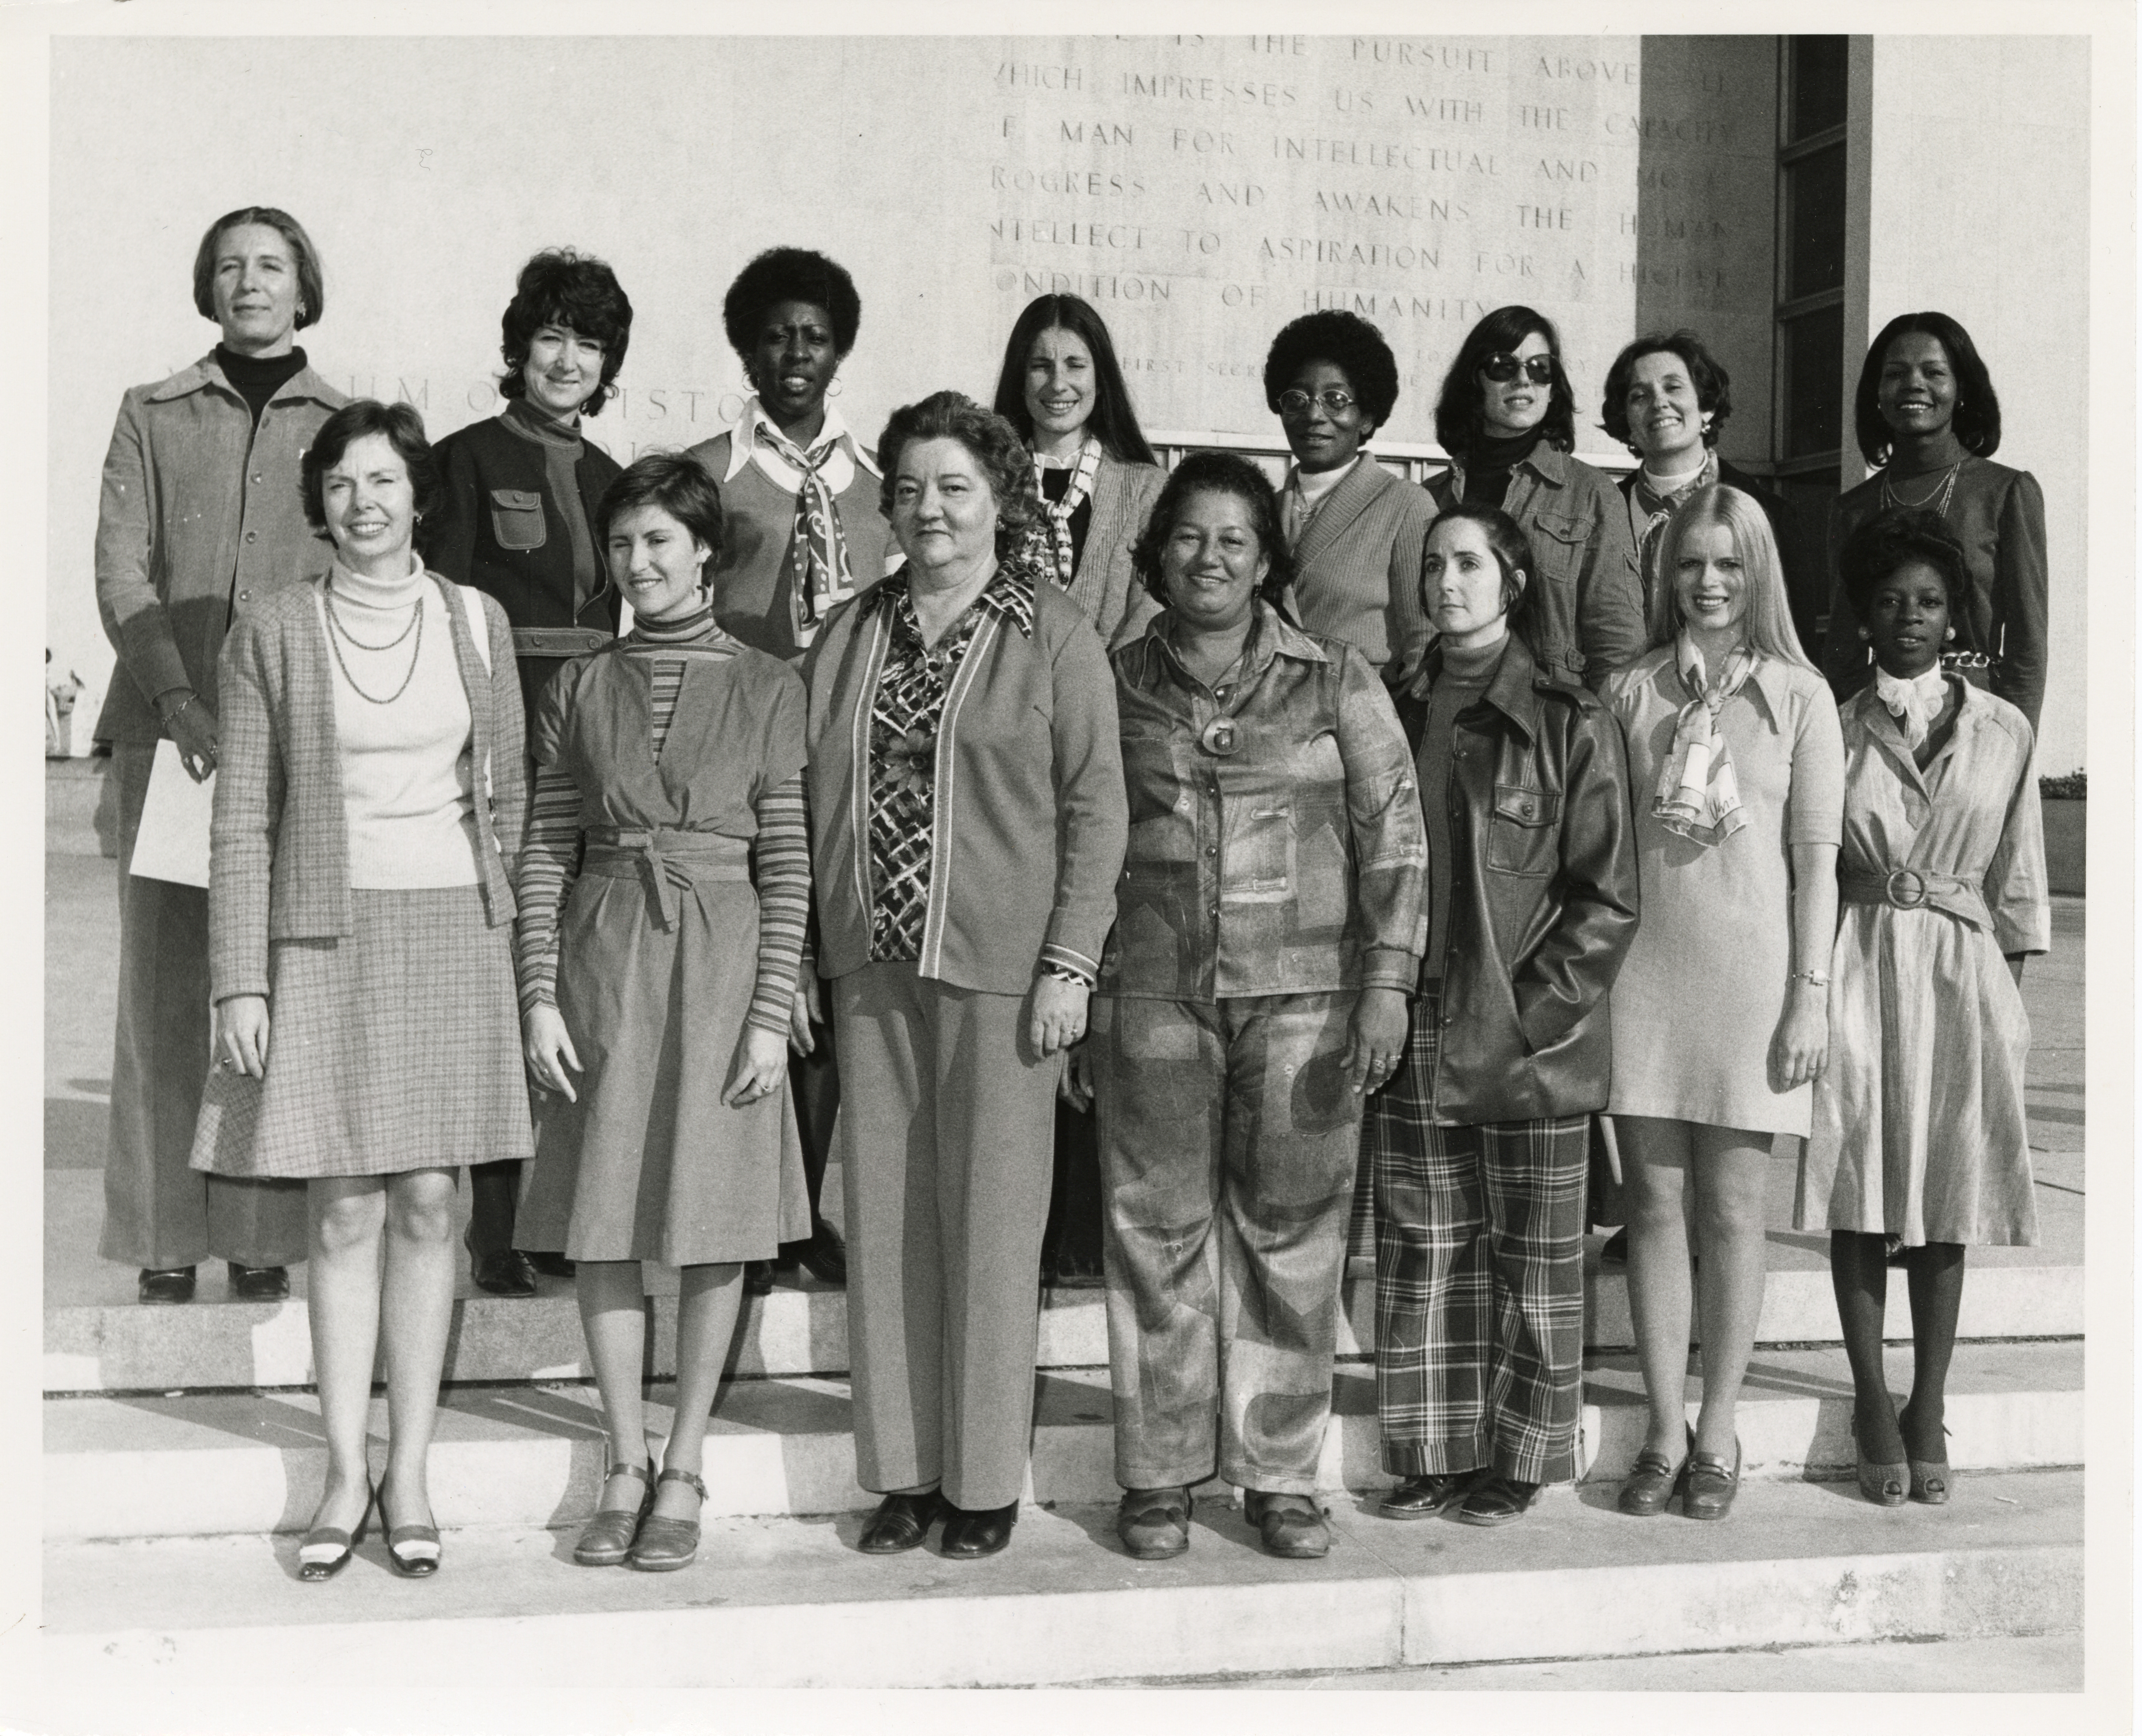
{"points": [[394, 1047], [649, 1163]]}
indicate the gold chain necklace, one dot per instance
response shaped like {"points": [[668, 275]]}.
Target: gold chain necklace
{"points": [[337, 633], [1944, 488]]}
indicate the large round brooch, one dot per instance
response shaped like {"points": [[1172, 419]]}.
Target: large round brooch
{"points": [[1221, 736]]}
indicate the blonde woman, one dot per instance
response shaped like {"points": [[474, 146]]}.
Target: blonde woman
{"points": [[1736, 768]]}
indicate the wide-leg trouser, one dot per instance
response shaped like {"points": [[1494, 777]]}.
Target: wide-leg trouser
{"points": [[158, 1212], [946, 1118], [1229, 1135], [1480, 1282]]}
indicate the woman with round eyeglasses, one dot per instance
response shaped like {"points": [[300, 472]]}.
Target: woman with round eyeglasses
{"points": [[1354, 529], [521, 493], [1925, 412], [1507, 416]]}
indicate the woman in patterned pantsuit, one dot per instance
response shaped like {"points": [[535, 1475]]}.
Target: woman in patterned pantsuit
{"points": [[358, 899], [1478, 1146], [1268, 926]]}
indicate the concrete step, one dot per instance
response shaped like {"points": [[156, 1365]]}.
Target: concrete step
{"points": [[123, 1347], [531, 1455], [98, 1339], [790, 1603]]}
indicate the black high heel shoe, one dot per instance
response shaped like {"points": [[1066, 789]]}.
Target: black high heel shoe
{"points": [[412, 1551], [333, 1546]]}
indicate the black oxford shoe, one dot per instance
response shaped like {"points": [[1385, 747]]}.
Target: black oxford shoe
{"points": [[901, 1522], [1423, 1497], [970, 1535], [259, 1284], [506, 1272], [167, 1283]]}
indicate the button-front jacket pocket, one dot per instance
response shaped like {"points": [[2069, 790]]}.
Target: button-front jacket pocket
{"points": [[1524, 830], [517, 518]]}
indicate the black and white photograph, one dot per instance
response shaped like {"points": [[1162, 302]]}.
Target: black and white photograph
{"points": [[983, 849]]}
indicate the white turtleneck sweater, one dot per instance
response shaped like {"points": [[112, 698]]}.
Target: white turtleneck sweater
{"points": [[407, 791]]}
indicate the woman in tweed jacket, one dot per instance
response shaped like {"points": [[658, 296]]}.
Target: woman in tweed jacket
{"points": [[360, 913]]}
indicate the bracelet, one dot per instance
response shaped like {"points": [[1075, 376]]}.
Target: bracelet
{"points": [[171, 716], [1820, 979], [1064, 973]]}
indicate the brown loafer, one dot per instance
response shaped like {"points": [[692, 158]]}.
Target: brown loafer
{"points": [[1291, 1525], [1652, 1481], [1423, 1497], [901, 1522], [1708, 1484], [1154, 1523]]}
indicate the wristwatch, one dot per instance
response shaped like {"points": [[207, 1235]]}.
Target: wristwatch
{"points": [[1820, 979]]}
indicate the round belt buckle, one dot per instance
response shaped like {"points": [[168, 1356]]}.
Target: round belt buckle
{"points": [[1906, 888], [1221, 736]]}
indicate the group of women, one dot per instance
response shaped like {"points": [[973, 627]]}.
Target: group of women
{"points": [[1350, 850]]}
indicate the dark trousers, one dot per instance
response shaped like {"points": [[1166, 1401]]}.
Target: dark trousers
{"points": [[159, 1213], [1071, 1244], [814, 1083]]}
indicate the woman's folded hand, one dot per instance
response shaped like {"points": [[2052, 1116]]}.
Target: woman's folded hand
{"points": [[760, 1064], [548, 1050]]}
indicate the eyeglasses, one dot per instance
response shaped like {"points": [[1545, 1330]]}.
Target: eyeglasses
{"points": [[1296, 403], [1502, 368]]}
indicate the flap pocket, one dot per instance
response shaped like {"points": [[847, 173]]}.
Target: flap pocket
{"points": [[1527, 807], [517, 518]]}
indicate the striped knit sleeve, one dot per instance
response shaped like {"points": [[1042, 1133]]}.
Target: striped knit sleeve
{"points": [[549, 860], [784, 902]]}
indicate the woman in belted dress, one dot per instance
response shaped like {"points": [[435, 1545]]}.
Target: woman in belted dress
{"points": [[1918, 1130], [658, 986], [517, 524]]}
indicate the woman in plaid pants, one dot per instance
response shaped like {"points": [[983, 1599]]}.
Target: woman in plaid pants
{"points": [[1478, 1144]]}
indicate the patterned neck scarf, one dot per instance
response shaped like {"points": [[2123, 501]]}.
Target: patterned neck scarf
{"points": [[817, 549], [1697, 796], [1058, 511], [1658, 505], [1914, 703]]}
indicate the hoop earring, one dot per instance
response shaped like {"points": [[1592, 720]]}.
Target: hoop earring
{"points": [[1864, 634], [1947, 633], [833, 386]]}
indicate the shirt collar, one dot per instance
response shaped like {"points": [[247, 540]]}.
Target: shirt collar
{"points": [[1315, 485], [744, 437], [305, 382], [1271, 634], [1008, 594]]}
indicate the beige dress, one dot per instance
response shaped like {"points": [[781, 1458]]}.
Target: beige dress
{"points": [[1918, 1120], [1703, 989]]}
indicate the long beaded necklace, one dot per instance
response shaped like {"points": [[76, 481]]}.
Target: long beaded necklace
{"points": [[338, 632], [1945, 489]]}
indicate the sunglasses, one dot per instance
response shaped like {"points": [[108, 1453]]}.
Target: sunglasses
{"points": [[1296, 403], [1502, 368]]}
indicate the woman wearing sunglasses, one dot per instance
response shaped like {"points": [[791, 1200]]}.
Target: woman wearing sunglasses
{"points": [[1356, 530], [1507, 418]]}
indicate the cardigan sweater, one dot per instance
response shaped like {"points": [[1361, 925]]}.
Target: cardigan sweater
{"points": [[279, 856], [1357, 568], [1103, 584], [199, 522], [1030, 824]]}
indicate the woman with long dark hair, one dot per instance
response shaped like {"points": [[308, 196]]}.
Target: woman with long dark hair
{"points": [[1062, 387], [1507, 417], [1479, 1143], [1926, 414]]}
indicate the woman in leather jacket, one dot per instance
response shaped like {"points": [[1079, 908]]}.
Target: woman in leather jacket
{"points": [[1478, 1145]]}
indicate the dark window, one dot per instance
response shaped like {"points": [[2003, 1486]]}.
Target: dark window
{"points": [[1814, 224], [1814, 378], [1815, 79]]}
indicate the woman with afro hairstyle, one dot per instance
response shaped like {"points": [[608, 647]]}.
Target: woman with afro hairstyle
{"points": [[1507, 417], [802, 532], [521, 490], [1941, 876], [1925, 412], [1355, 529]]}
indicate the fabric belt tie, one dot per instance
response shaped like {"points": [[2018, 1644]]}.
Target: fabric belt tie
{"points": [[558, 641], [1909, 889], [665, 862]]}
